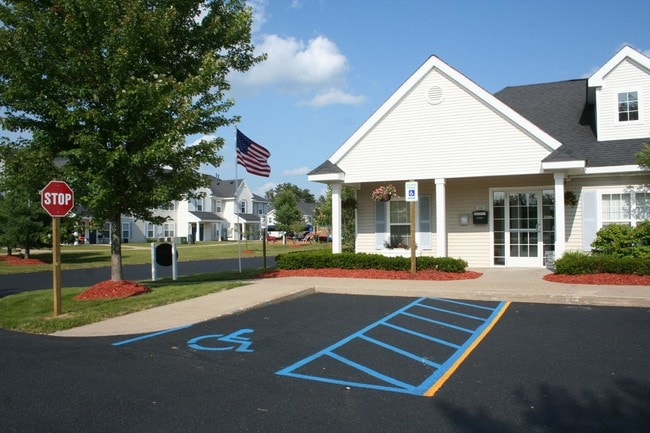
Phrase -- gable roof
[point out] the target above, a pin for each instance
(330, 171)
(481, 94)
(224, 188)
(627, 52)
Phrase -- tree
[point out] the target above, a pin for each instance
(323, 214)
(25, 171)
(643, 157)
(302, 195)
(116, 86)
(287, 214)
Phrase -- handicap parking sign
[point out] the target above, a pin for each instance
(411, 189)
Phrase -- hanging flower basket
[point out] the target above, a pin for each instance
(384, 193)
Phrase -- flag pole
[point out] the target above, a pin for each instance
(237, 205)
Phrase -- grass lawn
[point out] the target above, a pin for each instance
(33, 311)
(93, 256)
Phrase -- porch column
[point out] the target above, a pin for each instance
(336, 218)
(560, 224)
(441, 218)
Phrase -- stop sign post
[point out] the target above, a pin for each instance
(57, 198)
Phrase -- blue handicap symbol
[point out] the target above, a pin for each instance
(234, 338)
(411, 193)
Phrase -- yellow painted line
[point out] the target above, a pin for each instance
(436, 386)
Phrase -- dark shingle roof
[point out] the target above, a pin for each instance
(207, 216)
(326, 168)
(561, 110)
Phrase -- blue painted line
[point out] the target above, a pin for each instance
(460, 352)
(325, 351)
(438, 322)
(400, 351)
(455, 313)
(370, 371)
(451, 301)
(155, 334)
(419, 334)
(393, 384)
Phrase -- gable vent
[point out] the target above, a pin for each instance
(434, 95)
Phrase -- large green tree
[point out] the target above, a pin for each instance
(302, 195)
(116, 86)
(287, 215)
(24, 171)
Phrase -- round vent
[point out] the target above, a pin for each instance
(434, 95)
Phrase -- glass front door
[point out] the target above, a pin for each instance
(523, 227)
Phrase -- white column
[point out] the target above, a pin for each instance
(441, 219)
(336, 218)
(560, 223)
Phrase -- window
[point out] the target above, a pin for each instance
(169, 230)
(168, 206)
(151, 231)
(627, 208)
(126, 230)
(628, 106)
(242, 207)
(400, 224)
(199, 204)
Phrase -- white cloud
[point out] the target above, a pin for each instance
(208, 137)
(295, 65)
(268, 186)
(335, 96)
(296, 171)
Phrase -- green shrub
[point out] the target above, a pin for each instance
(623, 241)
(577, 263)
(325, 259)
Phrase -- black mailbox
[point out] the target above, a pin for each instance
(480, 217)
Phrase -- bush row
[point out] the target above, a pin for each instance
(576, 263)
(325, 259)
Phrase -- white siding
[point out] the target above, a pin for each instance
(626, 77)
(459, 137)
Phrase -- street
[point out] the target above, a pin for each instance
(325, 363)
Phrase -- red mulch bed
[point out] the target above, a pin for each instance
(373, 274)
(19, 260)
(604, 279)
(112, 290)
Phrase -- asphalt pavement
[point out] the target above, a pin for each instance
(16, 283)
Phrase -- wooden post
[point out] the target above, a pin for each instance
(56, 264)
(412, 237)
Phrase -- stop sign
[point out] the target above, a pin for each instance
(57, 198)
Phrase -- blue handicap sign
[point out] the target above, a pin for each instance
(235, 340)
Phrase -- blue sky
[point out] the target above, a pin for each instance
(332, 63)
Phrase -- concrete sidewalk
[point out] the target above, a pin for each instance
(517, 285)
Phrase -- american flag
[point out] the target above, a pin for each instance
(252, 156)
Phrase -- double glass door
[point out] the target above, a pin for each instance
(523, 227)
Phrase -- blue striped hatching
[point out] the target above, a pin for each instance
(372, 378)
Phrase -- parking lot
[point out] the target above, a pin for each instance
(343, 363)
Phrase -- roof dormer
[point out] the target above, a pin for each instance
(620, 92)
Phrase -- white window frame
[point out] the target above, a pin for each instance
(169, 230)
(638, 101)
(406, 224)
(126, 229)
(242, 206)
(632, 218)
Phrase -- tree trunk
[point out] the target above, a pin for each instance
(26, 251)
(116, 248)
